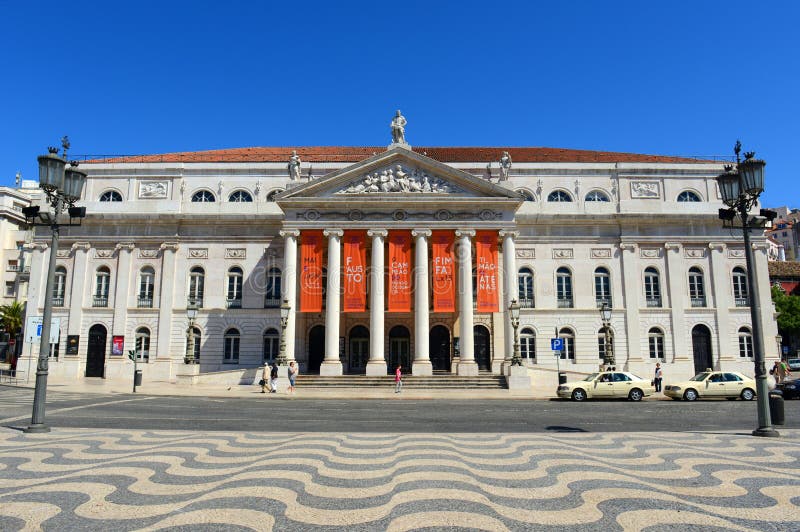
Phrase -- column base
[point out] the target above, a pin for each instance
(37, 428)
(504, 365)
(188, 374)
(422, 367)
(497, 367)
(468, 369)
(518, 378)
(330, 369)
(765, 433)
(454, 364)
(377, 368)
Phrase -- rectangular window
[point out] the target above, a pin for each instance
(745, 346)
(13, 266)
(656, 346)
(602, 290)
(564, 291)
(232, 349)
(10, 289)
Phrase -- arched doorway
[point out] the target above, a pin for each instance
(439, 345)
(399, 349)
(96, 351)
(316, 348)
(701, 347)
(359, 350)
(482, 340)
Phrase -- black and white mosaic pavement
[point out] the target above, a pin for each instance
(92, 479)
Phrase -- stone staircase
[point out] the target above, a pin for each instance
(445, 380)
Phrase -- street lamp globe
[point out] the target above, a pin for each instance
(285, 308)
(51, 171)
(605, 313)
(752, 172)
(74, 180)
(191, 312)
(729, 186)
(513, 308)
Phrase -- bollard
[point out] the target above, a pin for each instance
(776, 407)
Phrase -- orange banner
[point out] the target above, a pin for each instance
(311, 246)
(443, 266)
(399, 271)
(355, 272)
(486, 271)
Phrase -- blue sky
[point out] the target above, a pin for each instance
(676, 78)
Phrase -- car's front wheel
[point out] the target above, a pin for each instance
(690, 395)
(578, 395)
(748, 394)
(635, 395)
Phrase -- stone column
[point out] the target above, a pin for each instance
(422, 353)
(78, 291)
(630, 269)
(675, 283)
(466, 365)
(721, 280)
(122, 287)
(769, 326)
(165, 303)
(289, 287)
(40, 259)
(377, 358)
(332, 365)
(509, 293)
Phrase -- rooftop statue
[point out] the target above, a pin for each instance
(505, 166)
(294, 166)
(399, 129)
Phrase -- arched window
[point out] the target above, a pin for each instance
(655, 341)
(688, 195)
(240, 196)
(110, 195)
(272, 296)
(564, 287)
(596, 195)
(203, 196)
(147, 278)
(142, 344)
(740, 295)
(231, 351)
(271, 345)
(102, 283)
(526, 194)
(697, 291)
(569, 343)
(525, 294)
(745, 343)
(602, 287)
(234, 296)
(652, 287)
(273, 193)
(59, 286)
(197, 277)
(527, 343)
(559, 196)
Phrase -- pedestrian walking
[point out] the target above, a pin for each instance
(659, 374)
(264, 380)
(780, 371)
(293, 371)
(273, 378)
(398, 379)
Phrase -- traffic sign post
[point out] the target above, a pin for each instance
(33, 333)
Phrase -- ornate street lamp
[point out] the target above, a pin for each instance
(740, 187)
(513, 312)
(62, 186)
(191, 314)
(608, 351)
(285, 309)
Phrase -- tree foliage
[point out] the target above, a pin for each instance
(12, 316)
(789, 308)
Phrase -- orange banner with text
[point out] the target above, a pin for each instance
(400, 271)
(486, 271)
(355, 272)
(311, 246)
(443, 264)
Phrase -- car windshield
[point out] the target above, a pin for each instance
(700, 377)
(591, 377)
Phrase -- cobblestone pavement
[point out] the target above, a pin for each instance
(92, 479)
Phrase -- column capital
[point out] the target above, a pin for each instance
(383, 233)
(673, 245)
(285, 233)
(507, 233)
(426, 233)
(333, 232)
(81, 246)
(127, 246)
(628, 246)
(33, 246)
(759, 246)
(469, 233)
(169, 246)
(717, 246)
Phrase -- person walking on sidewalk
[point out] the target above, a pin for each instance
(398, 379)
(658, 376)
(264, 380)
(293, 371)
(273, 378)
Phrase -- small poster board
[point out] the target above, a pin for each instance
(72, 344)
(117, 346)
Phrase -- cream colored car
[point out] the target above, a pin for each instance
(728, 384)
(607, 385)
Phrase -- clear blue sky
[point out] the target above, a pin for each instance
(677, 78)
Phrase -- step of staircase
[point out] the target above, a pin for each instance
(486, 380)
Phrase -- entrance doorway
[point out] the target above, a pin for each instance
(96, 351)
(359, 350)
(701, 347)
(316, 348)
(399, 349)
(439, 345)
(482, 347)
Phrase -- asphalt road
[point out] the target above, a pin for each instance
(283, 414)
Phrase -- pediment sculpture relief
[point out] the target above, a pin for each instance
(399, 179)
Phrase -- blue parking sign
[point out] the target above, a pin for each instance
(557, 344)
(39, 330)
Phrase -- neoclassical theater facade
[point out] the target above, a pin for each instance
(399, 255)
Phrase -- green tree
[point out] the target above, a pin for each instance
(789, 318)
(11, 316)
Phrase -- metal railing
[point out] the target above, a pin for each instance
(144, 302)
(603, 301)
(58, 301)
(653, 302)
(234, 303)
(527, 303)
(196, 302)
(272, 302)
(564, 303)
(741, 302)
(698, 302)
(100, 301)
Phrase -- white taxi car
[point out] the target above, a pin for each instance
(607, 384)
(728, 384)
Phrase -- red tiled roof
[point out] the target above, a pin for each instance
(351, 154)
(782, 269)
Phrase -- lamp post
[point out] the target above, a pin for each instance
(62, 186)
(191, 313)
(513, 312)
(741, 187)
(608, 351)
(285, 309)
